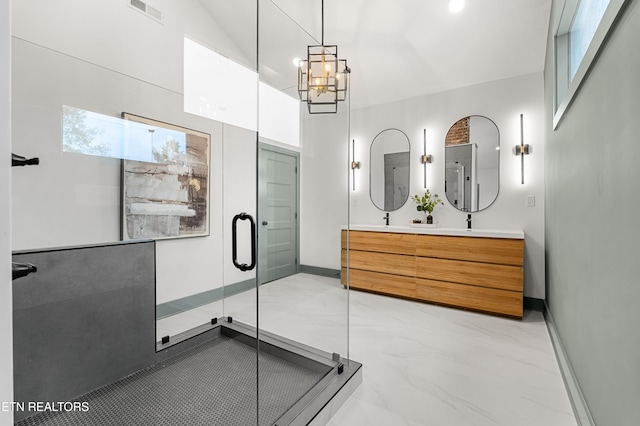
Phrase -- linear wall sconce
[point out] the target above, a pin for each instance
(522, 149)
(425, 159)
(354, 164)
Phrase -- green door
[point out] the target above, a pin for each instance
(277, 213)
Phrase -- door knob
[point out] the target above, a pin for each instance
(265, 223)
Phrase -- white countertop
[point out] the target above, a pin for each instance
(487, 233)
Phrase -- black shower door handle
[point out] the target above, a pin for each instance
(19, 270)
(234, 242)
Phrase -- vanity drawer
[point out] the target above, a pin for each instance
(504, 277)
(478, 273)
(472, 297)
(381, 242)
(488, 250)
(381, 283)
(395, 264)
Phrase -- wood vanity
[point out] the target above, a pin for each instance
(475, 270)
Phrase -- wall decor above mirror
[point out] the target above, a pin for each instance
(389, 173)
(472, 158)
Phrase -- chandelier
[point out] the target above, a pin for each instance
(322, 77)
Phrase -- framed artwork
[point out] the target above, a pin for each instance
(165, 194)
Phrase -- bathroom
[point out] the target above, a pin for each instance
(329, 143)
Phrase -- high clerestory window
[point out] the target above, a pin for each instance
(218, 88)
(584, 25)
(581, 30)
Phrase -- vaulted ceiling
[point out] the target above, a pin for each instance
(396, 49)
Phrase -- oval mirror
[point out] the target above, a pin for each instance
(472, 159)
(389, 173)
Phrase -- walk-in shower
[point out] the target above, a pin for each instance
(171, 218)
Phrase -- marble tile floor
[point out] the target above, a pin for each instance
(423, 364)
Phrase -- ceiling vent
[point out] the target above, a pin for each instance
(147, 10)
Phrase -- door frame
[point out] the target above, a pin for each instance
(263, 146)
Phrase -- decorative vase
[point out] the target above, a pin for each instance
(427, 218)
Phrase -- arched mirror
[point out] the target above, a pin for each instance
(389, 174)
(472, 158)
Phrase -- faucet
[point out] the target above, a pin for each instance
(386, 218)
(469, 221)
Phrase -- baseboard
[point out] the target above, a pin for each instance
(533, 304)
(579, 404)
(184, 304)
(323, 272)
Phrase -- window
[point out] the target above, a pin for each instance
(218, 88)
(581, 30)
(584, 25)
(90, 133)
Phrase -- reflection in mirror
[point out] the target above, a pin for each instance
(472, 154)
(389, 174)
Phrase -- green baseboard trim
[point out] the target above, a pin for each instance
(323, 272)
(240, 287)
(184, 304)
(579, 404)
(533, 304)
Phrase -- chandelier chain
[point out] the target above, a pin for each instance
(322, 14)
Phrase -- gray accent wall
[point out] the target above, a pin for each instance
(592, 217)
(85, 319)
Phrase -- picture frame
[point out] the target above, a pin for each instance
(166, 195)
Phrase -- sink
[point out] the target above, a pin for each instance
(476, 232)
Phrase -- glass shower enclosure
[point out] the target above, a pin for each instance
(179, 123)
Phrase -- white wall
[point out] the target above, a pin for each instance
(239, 196)
(6, 304)
(76, 58)
(111, 34)
(502, 101)
(324, 175)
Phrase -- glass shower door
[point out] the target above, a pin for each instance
(134, 144)
(221, 84)
(302, 198)
(163, 130)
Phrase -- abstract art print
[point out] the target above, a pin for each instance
(166, 193)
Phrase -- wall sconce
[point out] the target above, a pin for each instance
(425, 159)
(354, 164)
(522, 149)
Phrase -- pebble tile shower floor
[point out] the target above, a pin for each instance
(211, 384)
